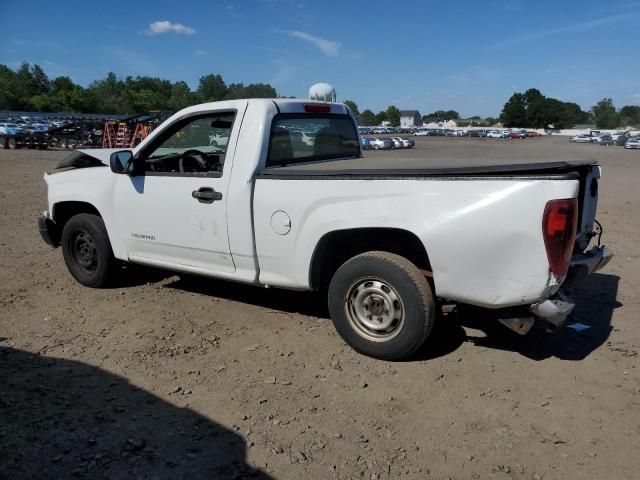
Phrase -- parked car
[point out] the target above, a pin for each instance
(606, 140)
(386, 243)
(533, 134)
(497, 134)
(477, 133)
(11, 128)
(632, 143)
(403, 142)
(365, 143)
(378, 143)
(582, 138)
(621, 140)
(518, 134)
(396, 142)
(421, 132)
(617, 135)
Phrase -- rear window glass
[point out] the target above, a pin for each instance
(298, 138)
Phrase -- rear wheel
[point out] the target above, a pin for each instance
(381, 305)
(12, 144)
(3, 143)
(87, 250)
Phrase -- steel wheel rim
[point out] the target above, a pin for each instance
(374, 309)
(83, 250)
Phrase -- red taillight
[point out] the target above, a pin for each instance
(317, 108)
(559, 224)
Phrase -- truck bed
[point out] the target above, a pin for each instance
(389, 166)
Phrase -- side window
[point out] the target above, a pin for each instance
(299, 138)
(196, 145)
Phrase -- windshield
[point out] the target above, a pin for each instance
(298, 138)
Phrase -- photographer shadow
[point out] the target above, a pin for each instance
(66, 419)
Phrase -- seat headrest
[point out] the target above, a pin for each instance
(281, 146)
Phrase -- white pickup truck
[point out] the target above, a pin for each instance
(276, 193)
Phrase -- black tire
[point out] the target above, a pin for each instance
(87, 250)
(3, 143)
(12, 144)
(359, 287)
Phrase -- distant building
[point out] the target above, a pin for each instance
(451, 124)
(410, 118)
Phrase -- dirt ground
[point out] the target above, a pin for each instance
(174, 377)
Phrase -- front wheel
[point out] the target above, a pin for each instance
(87, 250)
(381, 305)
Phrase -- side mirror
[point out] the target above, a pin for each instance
(121, 162)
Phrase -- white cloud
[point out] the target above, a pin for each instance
(165, 26)
(328, 47)
(573, 28)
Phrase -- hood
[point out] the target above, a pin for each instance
(85, 158)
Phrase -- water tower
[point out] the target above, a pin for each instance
(323, 92)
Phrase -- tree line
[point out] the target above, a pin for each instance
(532, 109)
(28, 88)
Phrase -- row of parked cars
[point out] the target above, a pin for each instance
(476, 132)
(384, 130)
(621, 139)
(385, 143)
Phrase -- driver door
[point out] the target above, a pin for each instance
(174, 213)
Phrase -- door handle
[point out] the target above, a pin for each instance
(206, 195)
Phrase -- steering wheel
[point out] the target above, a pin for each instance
(189, 158)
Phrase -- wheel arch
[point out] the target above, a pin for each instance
(62, 211)
(336, 247)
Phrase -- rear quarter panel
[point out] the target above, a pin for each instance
(483, 236)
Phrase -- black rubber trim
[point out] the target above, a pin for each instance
(562, 170)
(183, 174)
(49, 231)
(401, 175)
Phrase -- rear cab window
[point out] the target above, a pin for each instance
(303, 137)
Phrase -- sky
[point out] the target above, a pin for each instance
(424, 55)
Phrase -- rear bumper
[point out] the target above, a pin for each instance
(557, 308)
(48, 230)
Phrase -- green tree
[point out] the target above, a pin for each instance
(181, 96)
(451, 115)
(29, 88)
(380, 117)
(393, 116)
(629, 115)
(604, 114)
(8, 90)
(514, 112)
(368, 118)
(211, 88)
(353, 106)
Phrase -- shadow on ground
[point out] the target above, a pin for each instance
(445, 338)
(65, 419)
(595, 302)
(313, 304)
